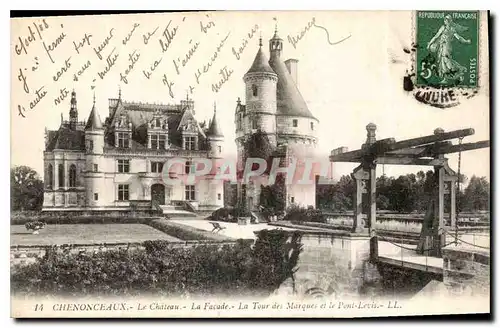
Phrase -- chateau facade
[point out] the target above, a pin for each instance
(275, 108)
(117, 164)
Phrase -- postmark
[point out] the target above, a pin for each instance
(446, 63)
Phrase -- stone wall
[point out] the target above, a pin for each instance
(334, 263)
(466, 271)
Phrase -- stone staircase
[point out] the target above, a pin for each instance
(172, 211)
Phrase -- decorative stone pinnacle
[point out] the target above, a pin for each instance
(370, 135)
(438, 131)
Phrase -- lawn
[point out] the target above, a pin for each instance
(58, 234)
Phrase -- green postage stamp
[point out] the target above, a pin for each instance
(447, 52)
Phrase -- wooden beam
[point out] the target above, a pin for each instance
(463, 147)
(383, 146)
(433, 138)
(379, 147)
(420, 151)
(410, 161)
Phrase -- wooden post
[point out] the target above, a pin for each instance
(372, 198)
(359, 175)
(374, 249)
(453, 199)
(358, 207)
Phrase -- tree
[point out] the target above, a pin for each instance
(476, 195)
(258, 145)
(272, 198)
(26, 189)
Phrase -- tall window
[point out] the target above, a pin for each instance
(190, 192)
(123, 165)
(123, 140)
(96, 168)
(254, 123)
(189, 167)
(123, 192)
(295, 123)
(189, 143)
(312, 125)
(50, 176)
(158, 141)
(254, 90)
(156, 167)
(72, 176)
(60, 169)
(162, 142)
(90, 146)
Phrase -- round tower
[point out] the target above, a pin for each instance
(94, 148)
(260, 93)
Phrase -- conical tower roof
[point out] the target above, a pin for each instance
(289, 99)
(214, 129)
(260, 63)
(94, 121)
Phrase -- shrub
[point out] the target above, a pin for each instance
(229, 214)
(160, 269)
(296, 213)
(83, 217)
(185, 232)
(34, 225)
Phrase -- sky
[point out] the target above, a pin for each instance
(346, 85)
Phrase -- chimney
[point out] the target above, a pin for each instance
(291, 66)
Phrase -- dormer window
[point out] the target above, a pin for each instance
(254, 90)
(189, 143)
(158, 123)
(158, 141)
(123, 140)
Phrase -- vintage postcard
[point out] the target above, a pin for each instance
(250, 164)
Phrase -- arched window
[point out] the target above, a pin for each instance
(72, 175)
(254, 90)
(60, 173)
(50, 176)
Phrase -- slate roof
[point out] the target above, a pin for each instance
(139, 114)
(94, 122)
(66, 138)
(260, 63)
(288, 97)
(214, 129)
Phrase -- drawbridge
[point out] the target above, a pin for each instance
(438, 230)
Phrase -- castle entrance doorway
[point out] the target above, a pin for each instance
(158, 193)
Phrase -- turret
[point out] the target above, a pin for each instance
(260, 88)
(73, 112)
(275, 45)
(94, 147)
(215, 137)
(94, 132)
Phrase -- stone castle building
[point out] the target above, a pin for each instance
(275, 108)
(117, 164)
